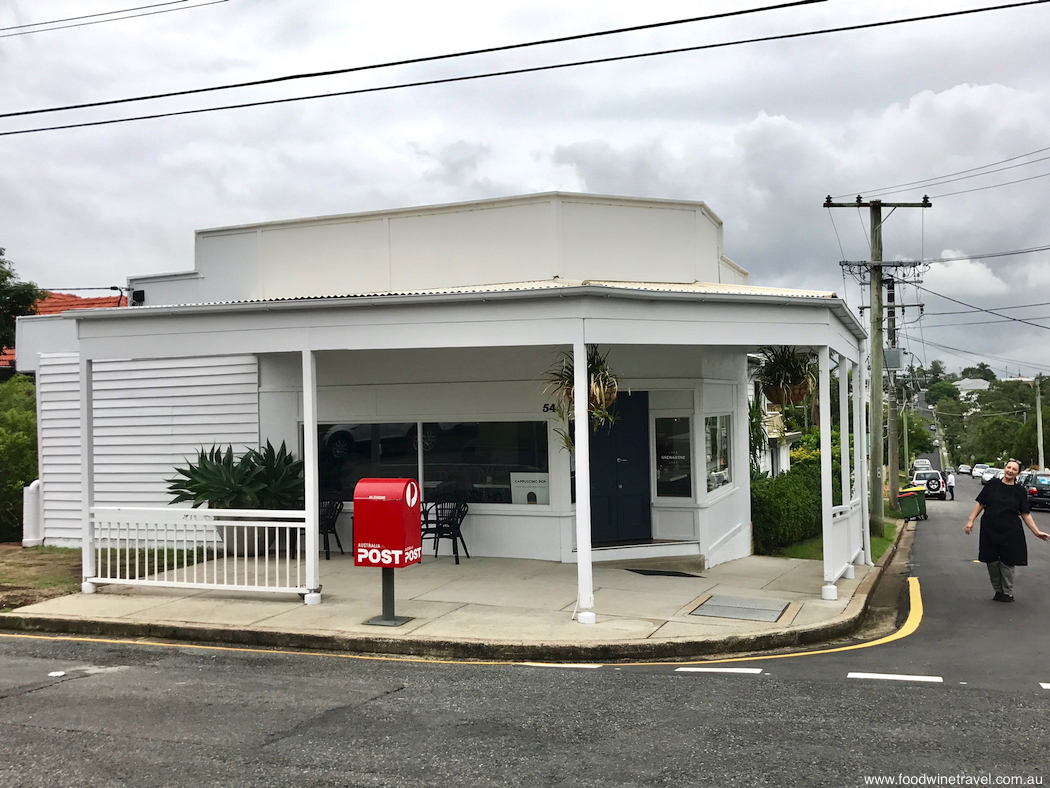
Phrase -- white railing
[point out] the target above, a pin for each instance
(231, 549)
(845, 544)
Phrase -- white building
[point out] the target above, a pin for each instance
(348, 337)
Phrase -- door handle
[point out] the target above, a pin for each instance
(621, 459)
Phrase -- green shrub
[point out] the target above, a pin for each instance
(785, 509)
(18, 461)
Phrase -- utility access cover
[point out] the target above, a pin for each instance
(739, 607)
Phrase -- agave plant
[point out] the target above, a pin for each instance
(266, 479)
(787, 374)
(603, 388)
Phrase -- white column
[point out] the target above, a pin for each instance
(844, 441)
(313, 585)
(581, 439)
(87, 474)
(828, 591)
(860, 450)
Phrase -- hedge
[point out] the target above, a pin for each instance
(785, 509)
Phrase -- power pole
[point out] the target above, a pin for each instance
(893, 460)
(1039, 418)
(874, 268)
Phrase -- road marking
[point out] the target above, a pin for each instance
(559, 665)
(912, 624)
(1044, 685)
(894, 677)
(718, 670)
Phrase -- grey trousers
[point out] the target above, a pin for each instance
(1002, 576)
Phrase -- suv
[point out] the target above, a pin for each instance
(978, 469)
(933, 482)
(1038, 484)
(921, 464)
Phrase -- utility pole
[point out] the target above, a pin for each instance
(1039, 418)
(874, 268)
(893, 460)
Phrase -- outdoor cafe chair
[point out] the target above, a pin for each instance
(330, 509)
(442, 519)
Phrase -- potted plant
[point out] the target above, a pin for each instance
(258, 479)
(604, 385)
(786, 374)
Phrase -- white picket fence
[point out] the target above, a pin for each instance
(228, 549)
(844, 546)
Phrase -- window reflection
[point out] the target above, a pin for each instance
(674, 477)
(487, 462)
(351, 452)
(718, 467)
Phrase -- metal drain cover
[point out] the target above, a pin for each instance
(742, 608)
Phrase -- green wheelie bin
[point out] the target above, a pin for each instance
(912, 501)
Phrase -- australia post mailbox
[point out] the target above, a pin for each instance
(386, 523)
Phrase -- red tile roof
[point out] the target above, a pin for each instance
(55, 303)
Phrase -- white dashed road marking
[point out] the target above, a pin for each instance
(894, 677)
(718, 670)
(1044, 685)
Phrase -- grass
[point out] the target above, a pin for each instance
(813, 549)
(33, 574)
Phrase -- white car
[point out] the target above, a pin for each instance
(991, 473)
(978, 469)
(933, 482)
(965, 469)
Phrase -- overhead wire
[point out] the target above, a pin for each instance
(532, 69)
(89, 16)
(417, 60)
(979, 309)
(992, 186)
(947, 175)
(113, 19)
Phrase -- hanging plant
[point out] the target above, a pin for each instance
(786, 374)
(603, 388)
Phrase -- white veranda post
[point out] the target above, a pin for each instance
(87, 474)
(843, 371)
(860, 451)
(828, 591)
(581, 440)
(313, 595)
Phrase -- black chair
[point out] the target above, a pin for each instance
(442, 519)
(330, 509)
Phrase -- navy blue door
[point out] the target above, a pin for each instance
(620, 474)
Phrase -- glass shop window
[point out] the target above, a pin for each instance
(351, 452)
(487, 462)
(674, 474)
(718, 465)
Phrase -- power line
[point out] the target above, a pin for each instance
(89, 16)
(984, 356)
(943, 181)
(993, 186)
(940, 177)
(987, 255)
(980, 309)
(415, 60)
(1000, 308)
(983, 322)
(114, 19)
(533, 69)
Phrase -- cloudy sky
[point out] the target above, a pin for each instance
(761, 132)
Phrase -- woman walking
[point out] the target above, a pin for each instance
(1003, 546)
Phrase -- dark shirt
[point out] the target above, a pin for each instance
(1002, 533)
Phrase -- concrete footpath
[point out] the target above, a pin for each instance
(493, 608)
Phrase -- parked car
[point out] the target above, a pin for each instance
(948, 470)
(1038, 484)
(991, 473)
(978, 469)
(933, 482)
(964, 469)
(921, 464)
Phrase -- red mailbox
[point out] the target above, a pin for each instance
(386, 523)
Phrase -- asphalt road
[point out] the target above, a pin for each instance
(137, 714)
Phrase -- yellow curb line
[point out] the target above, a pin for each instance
(910, 625)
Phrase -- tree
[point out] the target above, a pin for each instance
(936, 372)
(940, 391)
(16, 299)
(980, 372)
(18, 466)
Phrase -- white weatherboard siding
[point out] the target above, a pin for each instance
(149, 417)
